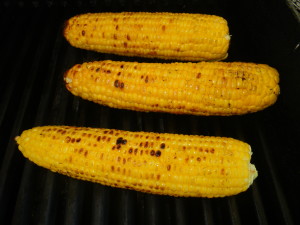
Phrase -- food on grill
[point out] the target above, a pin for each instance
(165, 164)
(177, 36)
(205, 88)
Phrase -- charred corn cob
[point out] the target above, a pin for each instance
(166, 164)
(205, 88)
(183, 36)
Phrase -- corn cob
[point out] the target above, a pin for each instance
(165, 164)
(177, 36)
(205, 88)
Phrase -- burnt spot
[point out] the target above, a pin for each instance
(198, 75)
(103, 138)
(125, 44)
(198, 159)
(85, 153)
(146, 144)
(223, 171)
(153, 53)
(122, 66)
(70, 159)
(152, 152)
(78, 140)
(130, 150)
(108, 71)
(89, 135)
(63, 132)
(229, 105)
(117, 27)
(128, 37)
(118, 84)
(141, 152)
(80, 150)
(108, 139)
(141, 144)
(135, 151)
(99, 138)
(163, 27)
(158, 137)
(119, 159)
(124, 161)
(146, 79)
(168, 167)
(122, 85)
(119, 73)
(158, 153)
(116, 19)
(162, 145)
(212, 151)
(83, 33)
(53, 137)
(121, 141)
(118, 147)
(83, 134)
(115, 37)
(158, 177)
(67, 139)
(112, 168)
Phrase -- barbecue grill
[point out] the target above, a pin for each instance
(34, 56)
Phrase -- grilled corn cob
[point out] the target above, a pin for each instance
(166, 164)
(183, 36)
(205, 88)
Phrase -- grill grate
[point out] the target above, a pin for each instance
(33, 58)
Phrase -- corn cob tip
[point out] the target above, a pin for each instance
(253, 174)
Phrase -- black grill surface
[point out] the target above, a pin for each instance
(33, 58)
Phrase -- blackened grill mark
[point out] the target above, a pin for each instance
(158, 153)
(68, 139)
(122, 141)
(116, 83)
